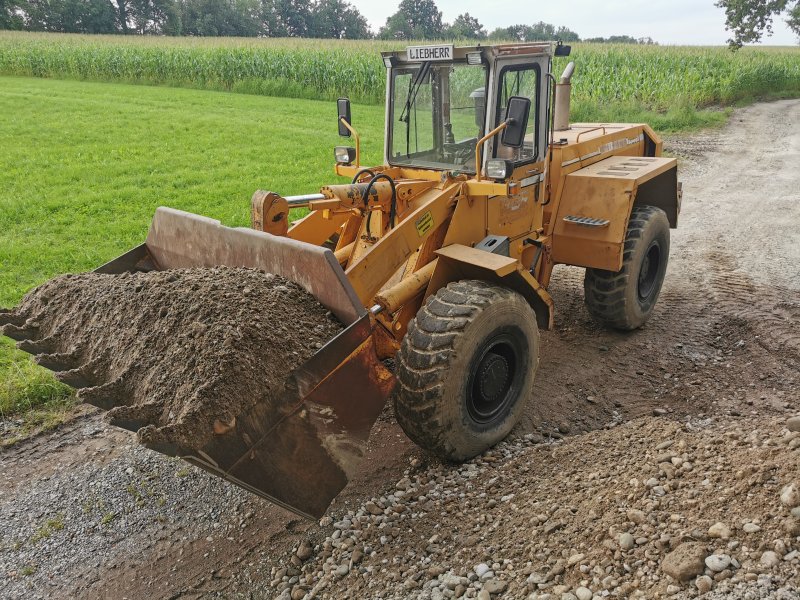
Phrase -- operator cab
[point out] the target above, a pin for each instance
(441, 100)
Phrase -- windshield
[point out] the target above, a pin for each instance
(437, 115)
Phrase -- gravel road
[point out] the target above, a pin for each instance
(654, 464)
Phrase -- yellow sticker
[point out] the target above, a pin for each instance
(424, 223)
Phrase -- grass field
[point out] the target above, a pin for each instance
(84, 165)
(665, 84)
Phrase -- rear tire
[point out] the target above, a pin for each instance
(625, 299)
(465, 368)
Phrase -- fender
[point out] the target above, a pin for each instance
(596, 203)
(457, 262)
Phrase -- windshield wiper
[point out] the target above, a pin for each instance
(411, 98)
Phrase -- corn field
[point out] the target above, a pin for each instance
(652, 77)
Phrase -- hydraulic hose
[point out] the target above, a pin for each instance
(392, 205)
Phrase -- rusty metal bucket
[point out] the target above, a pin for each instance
(298, 453)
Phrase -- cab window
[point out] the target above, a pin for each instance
(519, 80)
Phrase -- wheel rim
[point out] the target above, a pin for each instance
(648, 272)
(495, 377)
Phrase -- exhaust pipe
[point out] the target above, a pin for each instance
(563, 88)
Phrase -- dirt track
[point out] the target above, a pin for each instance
(724, 343)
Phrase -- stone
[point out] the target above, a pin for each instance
(720, 531)
(484, 595)
(750, 528)
(769, 558)
(583, 593)
(792, 526)
(704, 584)
(685, 562)
(793, 424)
(790, 495)
(342, 570)
(575, 559)
(373, 508)
(298, 593)
(626, 541)
(718, 562)
(636, 516)
(305, 550)
(495, 586)
(673, 589)
(357, 556)
(481, 569)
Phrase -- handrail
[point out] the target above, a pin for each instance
(578, 139)
(358, 140)
(480, 143)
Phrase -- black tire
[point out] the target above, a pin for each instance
(465, 368)
(625, 299)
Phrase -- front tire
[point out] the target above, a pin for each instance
(625, 299)
(465, 368)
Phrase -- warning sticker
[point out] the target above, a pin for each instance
(424, 223)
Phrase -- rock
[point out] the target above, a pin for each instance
(305, 550)
(796, 512)
(357, 556)
(373, 508)
(769, 558)
(718, 562)
(720, 531)
(750, 528)
(484, 595)
(298, 593)
(626, 541)
(660, 412)
(342, 570)
(790, 495)
(685, 562)
(495, 586)
(793, 424)
(575, 559)
(792, 526)
(481, 569)
(673, 589)
(704, 584)
(636, 516)
(583, 593)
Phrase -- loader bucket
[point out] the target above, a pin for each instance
(299, 452)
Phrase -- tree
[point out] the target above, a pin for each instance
(10, 15)
(339, 20)
(465, 27)
(220, 17)
(540, 32)
(748, 20)
(414, 19)
(160, 17)
(69, 16)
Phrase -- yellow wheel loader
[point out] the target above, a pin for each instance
(439, 258)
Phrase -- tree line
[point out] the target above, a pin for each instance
(338, 19)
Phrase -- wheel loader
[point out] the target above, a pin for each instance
(439, 258)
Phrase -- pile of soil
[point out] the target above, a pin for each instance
(174, 354)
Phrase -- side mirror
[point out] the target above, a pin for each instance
(343, 104)
(517, 111)
(562, 50)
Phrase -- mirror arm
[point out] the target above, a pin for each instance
(479, 145)
(358, 140)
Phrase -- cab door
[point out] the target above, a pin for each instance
(517, 215)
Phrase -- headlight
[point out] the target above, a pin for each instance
(344, 154)
(497, 168)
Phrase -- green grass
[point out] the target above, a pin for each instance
(83, 167)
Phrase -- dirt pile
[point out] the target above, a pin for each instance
(653, 508)
(173, 354)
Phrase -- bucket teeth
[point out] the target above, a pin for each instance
(134, 418)
(46, 345)
(9, 317)
(105, 396)
(21, 332)
(60, 361)
(82, 377)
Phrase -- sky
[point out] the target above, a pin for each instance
(667, 22)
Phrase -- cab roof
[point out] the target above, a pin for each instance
(438, 52)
